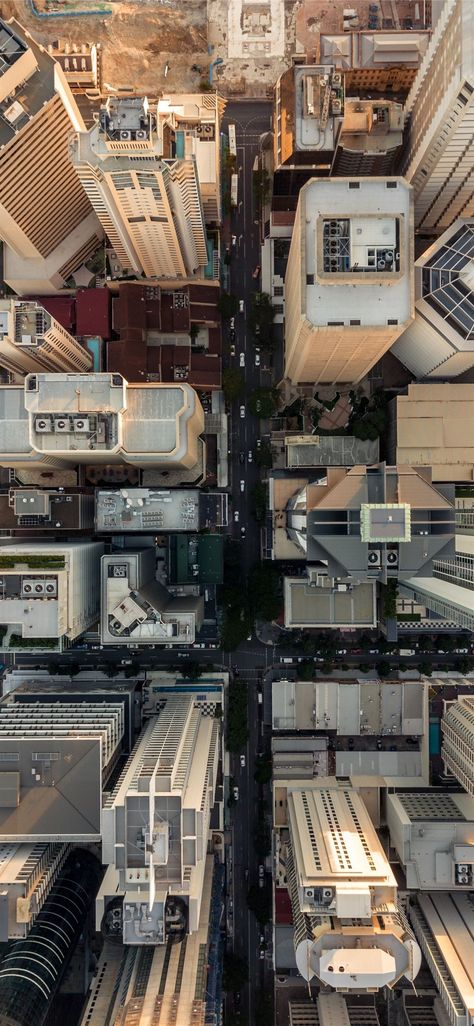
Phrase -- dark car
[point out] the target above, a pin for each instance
(241, 457)
(350, 743)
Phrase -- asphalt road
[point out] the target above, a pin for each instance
(251, 120)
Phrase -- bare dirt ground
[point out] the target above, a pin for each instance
(137, 40)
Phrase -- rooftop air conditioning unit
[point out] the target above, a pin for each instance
(392, 558)
(462, 868)
(33, 588)
(62, 424)
(309, 893)
(328, 893)
(373, 557)
(43, 424)
(140, 134)
(81, 424)
(336, 79)
(126, 136)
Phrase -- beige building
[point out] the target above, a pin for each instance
(434, 427)
(46, 221)
(440, 104)
(155, 823)
(31, 339)
(142, 168)
(348, 931)
(61, 420)
(381, 61)
(49, 590)
(349, 279)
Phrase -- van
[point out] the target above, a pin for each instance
(241, 306)
(286, 659)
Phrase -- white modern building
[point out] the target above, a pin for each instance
(348, 930)
(440, 157)
(61, 420)
(144, 190)
(31, 339)
(457, 727)
(439, 343)
(139, 609)
(349, 280)
(433, 835)
(49, 592)
(156, 821)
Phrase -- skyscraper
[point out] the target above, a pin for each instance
(46, 220)
(149, 205)
(31, 339)
(440, 157)
(349, 279)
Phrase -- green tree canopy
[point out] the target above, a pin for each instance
(227, 305)
(262, 402)
(233, 383)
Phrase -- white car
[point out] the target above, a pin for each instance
(242, 761)
(241, 306)
(232, 323)
(242, 411)
(242, 360)
(257, 359)
(235, 792)
(250, 456)
(236, 516)
(242, 486)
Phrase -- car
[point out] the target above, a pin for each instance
(232, 350)
(234, 240)
(259, 444)
(258, 406)
(412, 740)
(356, 651)
(379, 744)
(241, 306)
(461, 651)
(125, 662)
(262, 953)
(350, 743)
(257, 359)
(341, 651)
(236, 516)
(242, 530)
(242, 761)
(241, 456)
(242, 359)
(232, 335)
(235, 793)
(250, 456)
(242, 486)
(242, 411)
(256, 330)
(261, 872)
(373, 651)
(232, 323)
(256, 272)
(183, 655)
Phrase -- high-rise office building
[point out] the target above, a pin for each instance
(356, 528)
(349, 279)
(46, 220)
(49, 591)
(149, 204)
(440, 155)
(156, 821)
(61, 420)
(348, 930)
(31, 339)
(439, 343)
